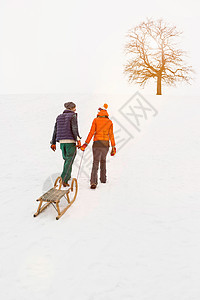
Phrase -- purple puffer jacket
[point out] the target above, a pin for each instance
(64, 130)
(63, 126)
(66, 127)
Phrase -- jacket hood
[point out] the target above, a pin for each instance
(103, 113)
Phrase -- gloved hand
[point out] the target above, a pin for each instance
(78, 144)
(113, 151)
(83, 147)
(53, 147)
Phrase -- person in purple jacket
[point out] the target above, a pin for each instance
(67, 134)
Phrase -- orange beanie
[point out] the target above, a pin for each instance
(105, 106)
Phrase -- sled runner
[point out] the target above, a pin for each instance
(54, 195)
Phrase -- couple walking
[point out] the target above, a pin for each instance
(67, 134)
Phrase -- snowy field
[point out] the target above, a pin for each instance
(135, 238)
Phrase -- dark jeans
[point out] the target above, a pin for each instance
(68, 153)
(99, 156)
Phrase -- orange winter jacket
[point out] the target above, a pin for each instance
(102, 129)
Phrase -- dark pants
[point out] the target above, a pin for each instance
(99, 156)
(68, 153)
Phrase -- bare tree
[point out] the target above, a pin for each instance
(154, 54)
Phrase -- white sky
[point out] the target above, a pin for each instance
(77, 46)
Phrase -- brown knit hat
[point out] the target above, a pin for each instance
(69, 105)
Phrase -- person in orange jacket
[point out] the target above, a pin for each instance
(102, 130)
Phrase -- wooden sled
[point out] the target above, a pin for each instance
(53, 196)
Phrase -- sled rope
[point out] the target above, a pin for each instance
(80, 165)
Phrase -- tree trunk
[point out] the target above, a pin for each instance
(159, 85)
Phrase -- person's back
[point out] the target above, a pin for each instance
(64, 130)
(66, 133)
(102, 130)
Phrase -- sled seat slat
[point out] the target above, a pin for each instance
(53, 195)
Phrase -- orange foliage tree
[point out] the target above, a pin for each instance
(152, 46)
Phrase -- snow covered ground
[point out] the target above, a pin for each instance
(135, 238)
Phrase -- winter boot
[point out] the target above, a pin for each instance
(93, 185)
